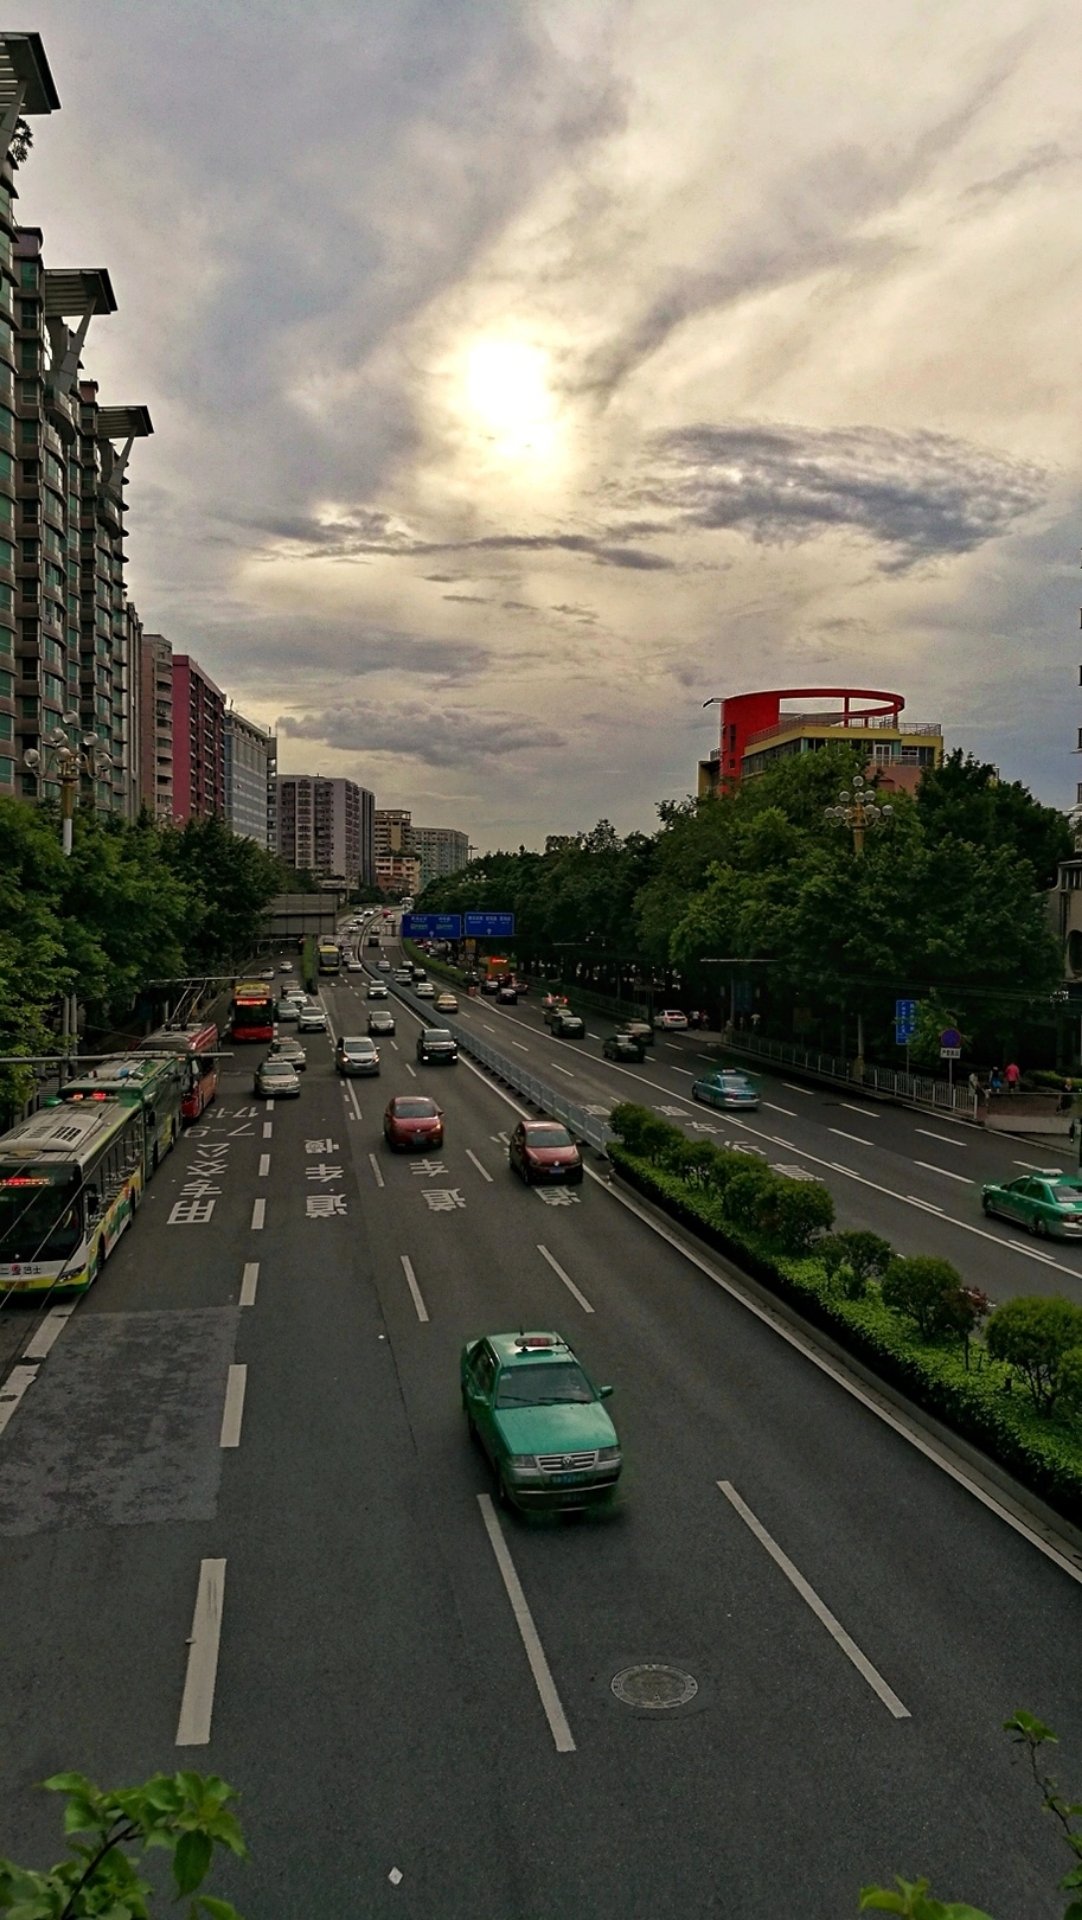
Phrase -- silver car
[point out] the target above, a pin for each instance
(356, 1054)
(277, 1080)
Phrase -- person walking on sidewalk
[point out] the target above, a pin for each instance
(1013, 1076)
(995, 1081)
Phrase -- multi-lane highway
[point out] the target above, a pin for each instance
(244, 1530)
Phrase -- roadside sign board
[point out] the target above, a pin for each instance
(490, 926)
(905, 1021)
(950, 1044)
(431, 926)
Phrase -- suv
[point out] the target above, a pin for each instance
(437, 1044)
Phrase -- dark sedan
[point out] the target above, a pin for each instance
(624, 1046)
(437, 1044)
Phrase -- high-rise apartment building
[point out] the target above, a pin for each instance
(397, 868)
(198, 742)
(106, 693)
(251, 762)
(324, 826)
(156, 726)
(440, 850)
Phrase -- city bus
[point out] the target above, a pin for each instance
(138, 1080)
(252, 1012)
(197, 1047)
(329, 957)
(71, 1179)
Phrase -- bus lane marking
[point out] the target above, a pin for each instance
(565, 1277)
(12, 1391)
(49, 1331)
(531, 1639)
(411, 1282)
(233, 1410)
(197, 1701)
(249, 1283)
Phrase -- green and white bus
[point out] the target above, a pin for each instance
(71, 1179)
(137, 1079)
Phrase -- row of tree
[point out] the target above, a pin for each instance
(757, 902)
(132, 905)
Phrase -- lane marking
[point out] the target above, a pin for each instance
(268, 1129)
(559, 1069)
(531, 1641)
(773, 1105)
(259, 1213)
(348, 1085)
(410, 1071)
(808, 1092)
(233, 1411)
(49, 1331)
(945, 1171)
(487, 1027)
(947, 1139)
(483, 1171)
(819, 1607)
(519, 1045)
(12, 1391)
(864, 1112)
(249, 1283)
(592, 1036)
(411, 1282)
(842, 1135)
(269, 1108)
(264, 1165)
(1032, 1167)
(929, 1206)
(565, 1277)
(689, 1071)
(197, 1701)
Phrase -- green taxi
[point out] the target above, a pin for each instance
(538, 1416)
(1047, 1202)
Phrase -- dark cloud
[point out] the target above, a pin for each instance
(364, 531)
(1037, 160)
(920, 495)
(436, 733)
(468, 599)
(286, 647)
(586, 616)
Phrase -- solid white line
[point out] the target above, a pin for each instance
(264, 1166)
(776, 1109)
(12, 1391)
(945, 1171)
(808, 1092)
(268, 1129)
(842, 1135)
(947, 1139)
(930, 1207)
(559, 1069)
(233, 1410)
(565, 1277)
(352, 1098)
(249, 1283)
(483, 1171)
(377, 1170)
(411, 1282)
(535, 1653)
(864, 1113)
(50, 1329)
(259, 1210)
(821, 1611)
(519, 1045)
(197, 1702)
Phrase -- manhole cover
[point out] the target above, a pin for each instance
(654, 1685)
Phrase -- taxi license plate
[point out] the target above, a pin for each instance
(566, 1479)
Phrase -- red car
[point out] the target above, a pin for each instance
(412, 1120)
(544, 1150)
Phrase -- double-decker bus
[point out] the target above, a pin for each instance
(252, 1012)
(71, 1179)
(196, 1046)
(156, 1085)
(329, 957)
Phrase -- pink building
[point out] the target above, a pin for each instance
(198, 742)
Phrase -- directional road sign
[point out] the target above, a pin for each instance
(431, 926)
(490, 926)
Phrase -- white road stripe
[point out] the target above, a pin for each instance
(842, 1135)
(264, 1165)
(352, 1099)
(50, 1329)
(772, 1104)
(259, 1211)
(945, 1171)
(268, 1129)
(947, 1139)
(197, 1702)
(929, 1206)
(249, 1283)
(411, 1282)
(566, 1278)
(233, 1411)
(410, 1071)
(1032, 1167)
(12, 1391)
(519, 1045)
(487, 1028)
(863, 1111)
(592, 1036)
(269, 1108)
(483, 1171)
(689, 1071)
(535, 1653)
(806, 1091)
(821, 1611)
(559, 1069)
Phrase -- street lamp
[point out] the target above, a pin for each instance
(70, 763)
(861, 813)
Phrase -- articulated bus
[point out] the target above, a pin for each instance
(71, 1179)
(157, 1086)
(252, 1014)
(196, 1047)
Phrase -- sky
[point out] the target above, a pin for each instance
(524, 373)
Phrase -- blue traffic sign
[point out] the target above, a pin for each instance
(490, 926)
(431, 926)
(950, 1037)
(905, 1013)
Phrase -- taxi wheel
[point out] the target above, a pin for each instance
(986, 1206)
(501, 1494)
(1040, 1228)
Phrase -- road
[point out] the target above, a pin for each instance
(414, 1692)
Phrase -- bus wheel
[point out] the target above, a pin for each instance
(154, 1158)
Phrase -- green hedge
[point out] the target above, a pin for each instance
(978, 1400)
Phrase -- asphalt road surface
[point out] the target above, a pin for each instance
(248, 1436)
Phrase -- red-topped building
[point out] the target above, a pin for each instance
(198, 742)
(756, 732)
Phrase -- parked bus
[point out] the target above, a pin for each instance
(71, 1179)
(329, 957)
(197, 1046)
(252, 1012)
(138, 1080)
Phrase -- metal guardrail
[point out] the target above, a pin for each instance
(923, 1089)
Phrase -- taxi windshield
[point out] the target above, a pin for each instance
(544, 1384)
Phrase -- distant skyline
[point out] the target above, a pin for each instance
(524, 374)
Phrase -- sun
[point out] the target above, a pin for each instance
(509, 397)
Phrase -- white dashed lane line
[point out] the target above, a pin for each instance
(233, 1411)
(806, 1091)
(259, 1214)
(945, 1171)
(559, 1069)
(249, 1283)
(483, 1171)
(197, 1702)
(842, 1135)
(566, 1278)
(377, 1170)
(415, 1291)
(947, 1139)
(774, 1108)
(264, 1166)
(864, 1112)
(519, 1045)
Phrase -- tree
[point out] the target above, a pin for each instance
(1034, 1335)
(230, 883)
(965, 800)
(929, 1292)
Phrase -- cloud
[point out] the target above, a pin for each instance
(436, 734)
(469, 599)
(1038, 160)
(920, 495)
(365, 531)
(351, 650)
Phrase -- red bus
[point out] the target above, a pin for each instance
(252, 1012)
(199, 1044)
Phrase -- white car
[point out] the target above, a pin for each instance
(383, 964)
(377, 991)
(353, 965)
(311, 1020)
(671, 1020)
(425, 990)
(286, 966)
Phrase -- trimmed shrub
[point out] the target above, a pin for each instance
(1034, 1336)
(868, 1254)
(640, 1130)
(794, 1211)
(748, 1194)
(1070, 1382)
(929, 1292)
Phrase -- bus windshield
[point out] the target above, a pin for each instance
(37, 1222)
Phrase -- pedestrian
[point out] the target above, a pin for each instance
(975, 1085)
(1013, 1076)
(995, 1081)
